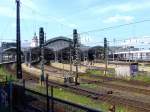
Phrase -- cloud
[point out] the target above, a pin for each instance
(30, 11)
(6, 11)
(118, 18)
(85, 3)
(124, 7)
(26, 3)
(30, 4)
(9, 9)
(71, 25)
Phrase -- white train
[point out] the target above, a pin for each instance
(143, 55)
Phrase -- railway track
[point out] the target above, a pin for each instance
(138, 106)
(108, 79)
(118, 87)
(104, 79)
(103, 96)
(52, 69)
(110, 85)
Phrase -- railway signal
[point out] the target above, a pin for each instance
(41, 37)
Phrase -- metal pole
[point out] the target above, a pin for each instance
(114, 50)
(64, 75)
(129, 54)
(47, 92)
(75, 39)
(52, 102)
(30, 58)
(10, 91)
(42, 64)
(19, 68)
(45, 38)
(105, 54)
(41, 42)
(24, 86)
(70, 59)
(26, 57)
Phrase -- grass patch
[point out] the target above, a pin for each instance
(144, 78)
(75, 98)
(80, 99)
(5, 75)
(95, 72)
(90, 86)
(110, 72)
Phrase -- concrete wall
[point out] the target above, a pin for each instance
(122, 71)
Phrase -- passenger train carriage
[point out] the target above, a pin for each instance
(143, 55)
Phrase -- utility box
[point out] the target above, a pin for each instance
(134, 69)
(69, 80)
(126, 70)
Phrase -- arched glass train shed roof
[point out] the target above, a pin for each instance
(58, 39)
(58, 43)
(51, 45)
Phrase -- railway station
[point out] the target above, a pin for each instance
(54, 63)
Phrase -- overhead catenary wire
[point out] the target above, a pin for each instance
(113, 27)
(95, 30)
(46, 16)
(90, 31)
(120, 41)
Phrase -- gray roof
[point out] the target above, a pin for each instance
(58, 38)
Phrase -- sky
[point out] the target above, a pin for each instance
(60, 17)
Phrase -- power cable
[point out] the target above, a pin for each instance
(48, 18)
(112, 27)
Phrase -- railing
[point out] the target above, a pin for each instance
(59, 105)
(32, 101)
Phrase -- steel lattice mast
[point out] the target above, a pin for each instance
(76, 53)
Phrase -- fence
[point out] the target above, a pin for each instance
(58, 105)
(23, 99)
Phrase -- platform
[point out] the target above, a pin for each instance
(53, 74)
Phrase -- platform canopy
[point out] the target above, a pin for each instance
(11, 50)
